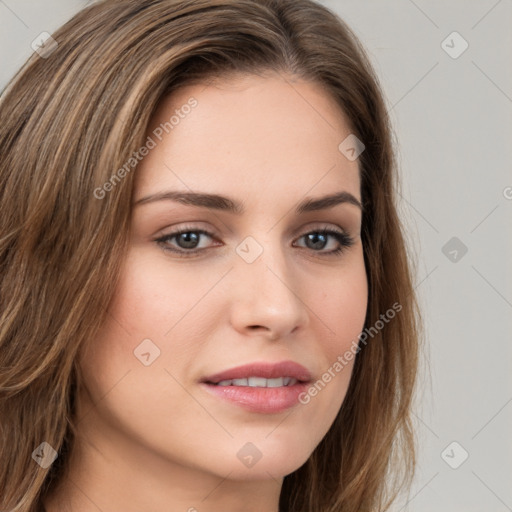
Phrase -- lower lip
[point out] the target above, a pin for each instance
(262, 400)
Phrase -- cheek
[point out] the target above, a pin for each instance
(135, 314)
(154, 301)
(144, 298)
(344, 307)
(342, 310)
(152, 295)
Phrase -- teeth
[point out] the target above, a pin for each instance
(259, 382)
(276, 383)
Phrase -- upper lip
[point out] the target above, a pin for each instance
(265, 370)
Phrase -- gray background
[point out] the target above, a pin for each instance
(452, 118)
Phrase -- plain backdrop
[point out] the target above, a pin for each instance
(446, 74)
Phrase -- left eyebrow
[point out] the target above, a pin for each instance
(325, 202)
(218, 202)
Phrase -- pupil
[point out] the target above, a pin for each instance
(190, 239)
(313, 237)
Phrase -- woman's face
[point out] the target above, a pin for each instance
(255, 284)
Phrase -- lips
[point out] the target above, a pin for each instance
(286, 370)
(263, 388)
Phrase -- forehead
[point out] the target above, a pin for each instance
(237, 135)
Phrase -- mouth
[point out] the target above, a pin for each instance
(261, 374)
(260, 387)
(257, 382)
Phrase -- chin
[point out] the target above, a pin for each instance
(272, 461)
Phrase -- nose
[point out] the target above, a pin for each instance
(266, 299)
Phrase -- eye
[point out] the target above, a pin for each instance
(318, 239)
(187, 241)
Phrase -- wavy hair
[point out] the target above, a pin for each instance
(70, 118)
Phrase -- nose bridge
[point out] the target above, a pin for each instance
(264, 261)
(267, 293)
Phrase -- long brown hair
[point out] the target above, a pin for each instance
(73, 116)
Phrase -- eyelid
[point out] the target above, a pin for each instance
(315, 226)
(301, 231)
(342, 236)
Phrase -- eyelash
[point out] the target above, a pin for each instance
(343, 239)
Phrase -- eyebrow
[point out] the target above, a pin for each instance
(218, 202)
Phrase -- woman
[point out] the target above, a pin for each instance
(206, 298)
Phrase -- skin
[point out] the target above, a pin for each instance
(150, 437)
